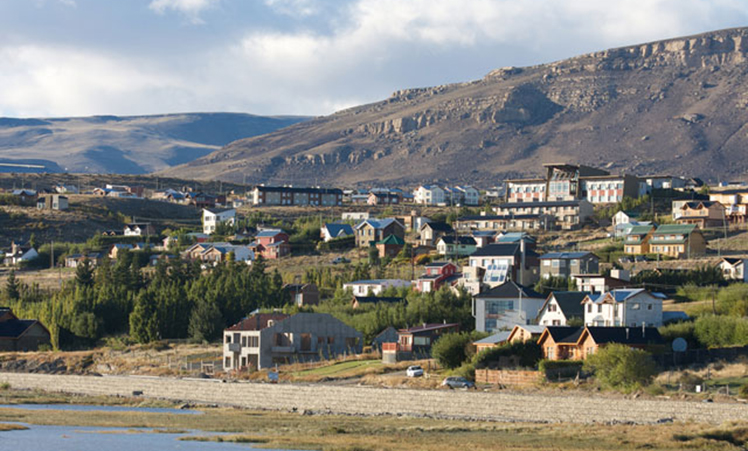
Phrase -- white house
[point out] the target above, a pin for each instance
(331, 231)
(428, 195)
(561, 307)
(624, 217)
(139, 229)
(375, 286)
(733, 269)
(19, 253)
(468, 195)
(211, 219)
(623, 307)
(503, 307)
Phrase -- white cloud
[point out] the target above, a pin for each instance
(69, 3)
(190, 8)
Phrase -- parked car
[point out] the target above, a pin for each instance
(338, 260)
(457, 382)
(414, 371)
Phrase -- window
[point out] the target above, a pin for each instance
(421, 341)
(589, 308)
(600, 308)
(556, 322)
(244, 341)
(228, 338)
(650, 306)
(552, 307)
(227, 363)
(254, 342)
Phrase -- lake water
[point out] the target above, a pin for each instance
(87, 438)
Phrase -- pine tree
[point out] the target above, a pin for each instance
(205, 321)
(144, 319)
(12, 287)
(84, 274)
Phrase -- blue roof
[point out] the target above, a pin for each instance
(494, 339)
(269, 232)
(336, 230)
(372, 281)
(377, 223)
(619, 295)
(564, 255)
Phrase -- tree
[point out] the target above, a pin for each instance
(451, 349)
(144, 319)
(373, 256)
(205, 321)
(620, 367)
(84, 274)
(12, 287)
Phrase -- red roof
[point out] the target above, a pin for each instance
(258, 321)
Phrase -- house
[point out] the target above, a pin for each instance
(562, 308)
(471, 280)
(565, 264)
(525, 190)
(623, 307)
(733, 269)
(497, 223)
(598, 283)
(288, 195)
(483, 238)
(139, 229)
(266, 339)
(522, 333)
(332, 231)
(218, 253)
(611, 189)
(430, 232)
(416, 342)
(578, 343)
(436, 275)
(370, 231)
(388, 335)
(134, 190)
(94, 258)
(202, 200)
(663, 181)
(429, 195)
(359, 301)
(569, 214)
(374, 286)
(194, 252)
(735, 202)
(504, 306)
(516, 237)
(390, 246)
(52, 202)
(117, 248)
(492, 341)
(465, 195)
(704, 214)
(678, 241)
(455, 247)
(636, 242)
(66, 189)
(271, 244)
(506, 261)
(301, 294)
(19, 253)
(383, 198)
(25, 196)
(624, 217)
(21, 335)
(212, 218)
(355, 216)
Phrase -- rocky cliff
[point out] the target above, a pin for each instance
(676, 106)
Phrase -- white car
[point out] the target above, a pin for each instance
(414, 371)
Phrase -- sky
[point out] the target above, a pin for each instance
(300, 57)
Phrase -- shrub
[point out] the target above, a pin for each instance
(683, 329)
(528, 354)
(560, 368)
(719, 330)
(451, 350)
(619, 367)
(689, 380)
(743, 391)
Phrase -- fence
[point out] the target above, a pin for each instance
(508, 377)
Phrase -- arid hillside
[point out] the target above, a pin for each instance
(676, 106)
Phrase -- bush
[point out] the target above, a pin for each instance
(683, 329)
(560, 368)
(743, 391)
(715, 331)
(619, 367)
(528, 354)
(689, 380)
(451, 350)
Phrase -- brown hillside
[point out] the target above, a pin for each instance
(676, 106)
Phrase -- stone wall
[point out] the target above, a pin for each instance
(375, 401)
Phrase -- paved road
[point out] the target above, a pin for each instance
(379, 401)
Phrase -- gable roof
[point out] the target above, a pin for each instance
(675, 229)
(267, 233)
(570, 302)
(625, 335)
(515, 237)
(733, 261)
(464, 240)
(563, 334)
(335, 229)
(258, 321)
(617, 295)
(497, 250)
(378, 223)
(14, 328)
(439, 226)
(509, 290)
(494, 339)
(392, 240)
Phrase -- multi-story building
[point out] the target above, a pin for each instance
(526, 190)
(678, 241)
(566, 264)
(429, 195)
(504, 306)
(370, 231)
(569, 214)
(623, 307)
(266, 339)
(212, 218)
(701, 213)
(375, 286)
(286, 195)
(506, 261)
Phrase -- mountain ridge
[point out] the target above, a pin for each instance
(676, 105)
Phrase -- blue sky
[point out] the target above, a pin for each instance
(311, 57)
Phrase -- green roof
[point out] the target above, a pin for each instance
(675, 229)
(392, 240)
(640, 230)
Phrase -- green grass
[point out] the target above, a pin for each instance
(732, 382)
(340, 369)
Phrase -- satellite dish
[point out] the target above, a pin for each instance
(680, 345)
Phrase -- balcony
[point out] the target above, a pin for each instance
(235, 347)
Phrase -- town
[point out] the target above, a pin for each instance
(530, 280)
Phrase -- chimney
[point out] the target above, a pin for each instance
(644, 329)
(627, 334)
